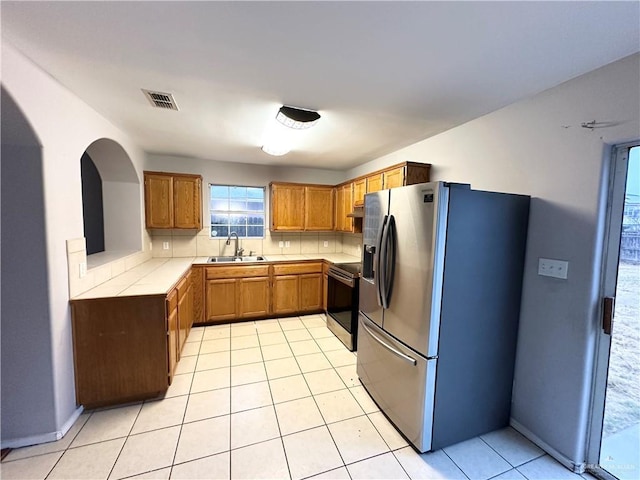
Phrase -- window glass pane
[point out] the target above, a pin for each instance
(238, 205)
(256, 219)
(219, 231)
(219, 191)
(238, 192)
(219, 219)
(238, 219)
(254, 206)
(256, 193)
(255, 231)
(219, 204)
(238, 209)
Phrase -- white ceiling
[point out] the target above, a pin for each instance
(383, 75)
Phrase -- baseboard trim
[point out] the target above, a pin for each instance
(45, 437)
(564, 460)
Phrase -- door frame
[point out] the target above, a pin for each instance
(617, 173)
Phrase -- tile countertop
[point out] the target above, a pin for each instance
(159, 275)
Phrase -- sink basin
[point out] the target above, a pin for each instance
(235, 259)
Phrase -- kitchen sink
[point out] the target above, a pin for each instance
(235, 259)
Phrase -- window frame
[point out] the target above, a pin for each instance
(242, 212)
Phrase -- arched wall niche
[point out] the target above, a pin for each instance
(121, 201)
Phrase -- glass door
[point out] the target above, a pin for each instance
(615, 443)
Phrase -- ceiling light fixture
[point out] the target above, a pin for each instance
(297, 118)
(285, 130)
(275, 150)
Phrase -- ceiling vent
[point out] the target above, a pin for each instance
(160, 99)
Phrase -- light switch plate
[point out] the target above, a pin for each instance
(287, 244)
(165, 245)
(281, 244)
(325, 244)
(553, 268)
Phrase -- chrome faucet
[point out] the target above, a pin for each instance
(239, 250)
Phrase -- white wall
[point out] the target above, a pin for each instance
(25, 303)
(65, 126)
(537, 147)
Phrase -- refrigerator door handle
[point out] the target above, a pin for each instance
(404, 357)
(390, 260)
(379, 274)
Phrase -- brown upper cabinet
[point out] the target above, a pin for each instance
(374, 183)
(318, 209)
(287, 207)
(344, 206)
(173, 200)
(393, 178)
(407, 173)
(301, 207)
(359, 189)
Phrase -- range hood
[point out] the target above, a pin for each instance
(358, 212)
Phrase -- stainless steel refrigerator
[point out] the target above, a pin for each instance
(439, 306)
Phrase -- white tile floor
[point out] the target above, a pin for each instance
(266, 399)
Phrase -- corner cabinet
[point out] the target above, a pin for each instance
(173, 200)
(301, 207)
(127, 348)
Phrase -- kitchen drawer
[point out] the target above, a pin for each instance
(237, 271)
(296, 268)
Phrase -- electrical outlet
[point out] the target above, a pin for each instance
(553, 268)
(165, 245)
(281, 244)
(82, 269)
(325, 244)
(287, 244)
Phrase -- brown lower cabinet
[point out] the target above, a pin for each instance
(297, 288)
(261, 291)
(127, 348)
(237, 292)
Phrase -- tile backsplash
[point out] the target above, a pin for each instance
(113, 264)
(190, 243)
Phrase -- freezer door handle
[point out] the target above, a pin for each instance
(404, 357)
(379, 274)
(390, 260)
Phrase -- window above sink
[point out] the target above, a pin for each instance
(236, 208)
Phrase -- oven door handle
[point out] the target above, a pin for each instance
(348, 281)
